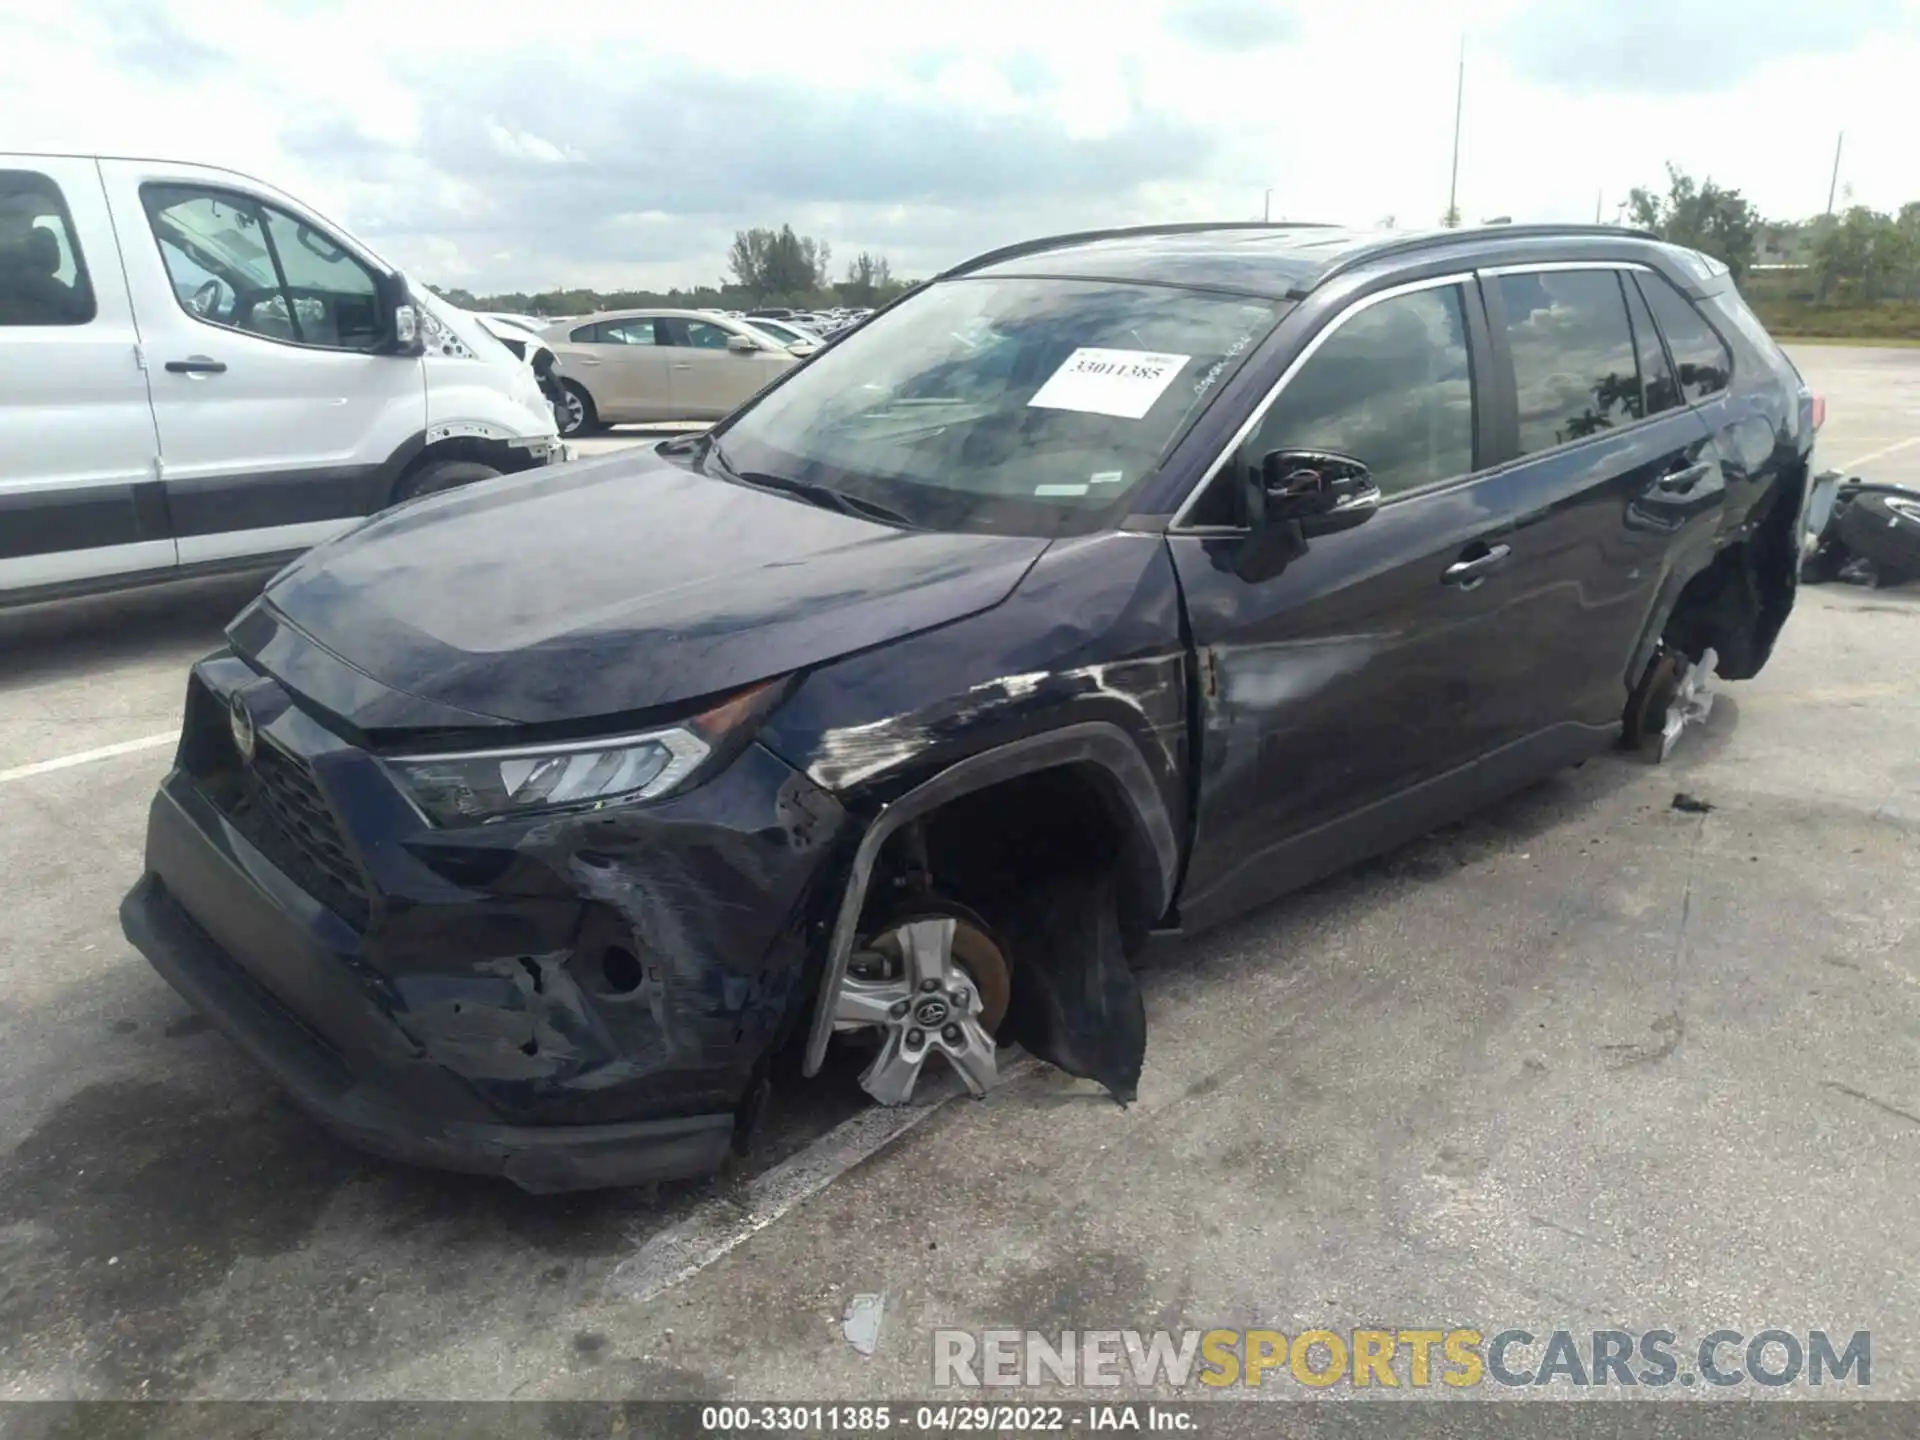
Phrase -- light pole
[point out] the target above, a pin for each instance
(1834, 183)
(1459, 101)
(1266, 208)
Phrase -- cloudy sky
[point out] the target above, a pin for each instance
(501, 144)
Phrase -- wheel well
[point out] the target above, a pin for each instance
(1738, 604)
(1015, 835)
(505, 458)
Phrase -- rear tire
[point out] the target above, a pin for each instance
(1884, 529)
(438, 475)
(578, 416)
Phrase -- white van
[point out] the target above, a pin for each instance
(197, 372)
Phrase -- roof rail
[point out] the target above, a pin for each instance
(1432, 239)
(1082, 237)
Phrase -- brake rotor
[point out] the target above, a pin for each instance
(974, 950)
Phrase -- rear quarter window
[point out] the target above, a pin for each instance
(1702, 358)
(43, 275)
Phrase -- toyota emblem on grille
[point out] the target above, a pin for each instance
(240, 722)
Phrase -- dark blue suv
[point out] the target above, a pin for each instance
(1107, 583)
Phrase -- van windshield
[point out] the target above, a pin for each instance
(1026, 406)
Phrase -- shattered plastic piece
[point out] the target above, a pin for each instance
(861, 1325)
(1692, 700)
(1691, 804)
(1076, 1003)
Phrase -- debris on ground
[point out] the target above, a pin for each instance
(1691, 804)
(862, 1323)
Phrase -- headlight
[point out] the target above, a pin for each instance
(481, 785)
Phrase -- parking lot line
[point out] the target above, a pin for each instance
(717, 1227)
(87, 757)
(1882, 453)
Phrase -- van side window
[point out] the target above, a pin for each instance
(238, 262)
(43, 278)
(1701, 356)
(1391, 386)
(1574, 368)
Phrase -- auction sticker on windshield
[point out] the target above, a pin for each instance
(1109, 382)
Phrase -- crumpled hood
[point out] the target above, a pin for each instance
(603, 588)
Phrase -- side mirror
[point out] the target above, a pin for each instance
(401, 315)
(1291, 496)
(1320, 490)
(742, 345)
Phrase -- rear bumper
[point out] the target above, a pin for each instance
(363, 1113)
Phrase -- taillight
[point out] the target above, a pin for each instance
(1819, 411)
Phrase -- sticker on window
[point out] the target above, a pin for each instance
(1060, 489)
(1124, 383)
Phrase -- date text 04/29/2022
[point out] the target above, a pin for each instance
(943, 1419)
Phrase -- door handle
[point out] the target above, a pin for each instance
(586, 360)
(683, 365)
(1679, 482)
(1468, 574)
(197, 365)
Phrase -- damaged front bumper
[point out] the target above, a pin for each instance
(569, 1001)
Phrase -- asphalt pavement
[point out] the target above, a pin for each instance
(1585, 1061)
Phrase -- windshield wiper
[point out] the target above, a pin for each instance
(814, 493)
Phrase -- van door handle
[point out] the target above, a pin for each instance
(197, 365)
(1468, 574)
(683, 365)
(1679, 482)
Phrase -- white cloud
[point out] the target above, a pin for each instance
(484, 144)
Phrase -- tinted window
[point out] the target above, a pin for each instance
(1573, 363)
(628, 332)
(43, 278)
(1657, 385)
(1699, 354)
(584, 335)
(1012, 404)
(237, 262)
(1391, 386)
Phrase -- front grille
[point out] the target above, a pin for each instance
(276, 803)
(286, 794)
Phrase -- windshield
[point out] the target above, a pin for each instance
(1025, 406)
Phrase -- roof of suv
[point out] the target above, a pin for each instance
(1285, 261)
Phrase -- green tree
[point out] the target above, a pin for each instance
(768, 262)
(1700, 215)
(868, 276)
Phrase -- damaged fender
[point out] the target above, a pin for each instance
(1083, 986)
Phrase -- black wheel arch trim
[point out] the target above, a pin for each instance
(1099, 743)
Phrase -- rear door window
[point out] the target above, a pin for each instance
(1699, 354)
(1574, 368)
(629, 332)
(43, 276)
(1661, 391)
